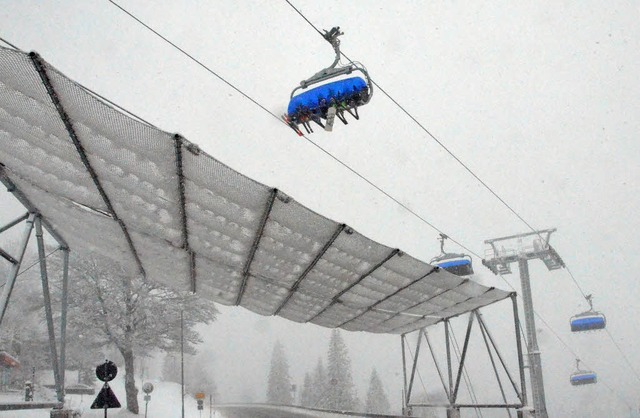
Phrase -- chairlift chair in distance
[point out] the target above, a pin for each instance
(458, 264)
(330, 100)
(588, 320)
(582, 377)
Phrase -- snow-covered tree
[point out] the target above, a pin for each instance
(111, 308)
(199, 375)
(318, 385)
(340, 392)
(377, 401)
(306, 394)
(171, 368)
(279, 382)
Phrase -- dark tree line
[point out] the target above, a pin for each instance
(326, 388)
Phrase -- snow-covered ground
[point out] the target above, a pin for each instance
(164, 403)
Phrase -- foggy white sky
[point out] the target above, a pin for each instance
(540, 99)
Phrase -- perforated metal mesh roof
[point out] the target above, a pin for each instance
(159, 206)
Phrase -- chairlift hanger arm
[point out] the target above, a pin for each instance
(331, 71)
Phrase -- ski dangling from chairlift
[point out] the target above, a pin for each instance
(331, 100)
(458, 264)
(589, 320)
(582, 377)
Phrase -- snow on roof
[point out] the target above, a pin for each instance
(158, 205)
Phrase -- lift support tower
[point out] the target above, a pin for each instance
(530, 246)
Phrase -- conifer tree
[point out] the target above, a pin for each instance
(377, 401)
(279, 382)
(171, 368)
(306, 395)
(340, 392)
(318, 385)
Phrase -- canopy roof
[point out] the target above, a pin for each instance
(155, 203)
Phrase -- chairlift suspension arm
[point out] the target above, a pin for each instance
(332, 38)
(331, 71)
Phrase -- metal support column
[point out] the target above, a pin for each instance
(48, 310)
(13, 273)
(63, 313)
(451, 411)
(493, 363)
(535, 363)
(404, 376)
(523, 383)
(463, 356)
(413, 370)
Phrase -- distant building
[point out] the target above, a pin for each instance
(7, 365)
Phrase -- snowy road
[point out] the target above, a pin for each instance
(273, 411)
(260, 412)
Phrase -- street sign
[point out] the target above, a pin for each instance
(106, 399)
(106, 371)
(147, 388)
(200, 395)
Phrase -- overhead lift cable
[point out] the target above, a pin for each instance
(248, 97)
(208, 69)
(466, 167)
(10, 44)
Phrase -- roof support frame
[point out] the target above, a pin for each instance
(493, 364)
(452, 384)
(256, 242)
(352, 285)
(433, 356)
(463, 356)
(40, 67)
(413, 369)
(13, 274)
(310, 267)
(22, 198)
(48, 311)
(404, 373)
(35, 222)
(488, 338)
(14, 222)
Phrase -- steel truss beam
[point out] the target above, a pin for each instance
(451, 382)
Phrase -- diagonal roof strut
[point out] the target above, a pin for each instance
(352, 285)
(372, 307)
(38, 63)
(256, 242)
(178, 140)
(310, 267)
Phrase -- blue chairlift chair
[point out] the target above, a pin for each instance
(330, 100)
(458, 264)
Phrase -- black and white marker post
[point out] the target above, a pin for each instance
(106, 399)
(147, 388)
